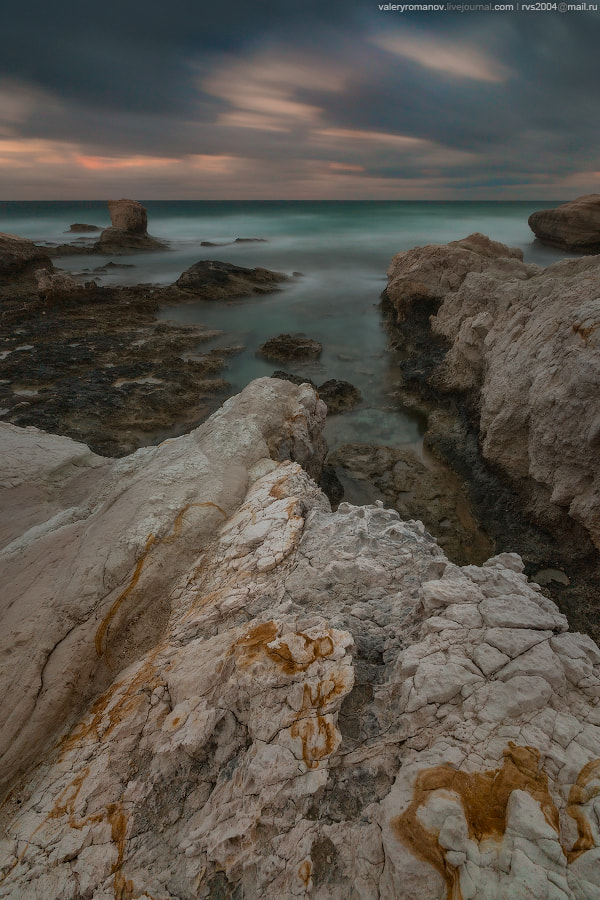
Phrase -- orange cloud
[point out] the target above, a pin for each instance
(128, 162)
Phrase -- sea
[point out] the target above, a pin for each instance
(337, 254)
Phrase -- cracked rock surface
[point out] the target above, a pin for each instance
(523, 346)
(329, 709)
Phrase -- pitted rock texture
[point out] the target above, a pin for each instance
(332, 711)
(571, 226)
(524, 345)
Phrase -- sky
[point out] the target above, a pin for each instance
(315, 99)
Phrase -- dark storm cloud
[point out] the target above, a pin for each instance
(296, 94)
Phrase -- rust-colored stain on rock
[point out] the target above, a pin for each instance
(151, 542)
(484, 797)
(304, 872)
(582, 792)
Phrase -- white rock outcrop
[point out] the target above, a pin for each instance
(525, 342)
(332, 710)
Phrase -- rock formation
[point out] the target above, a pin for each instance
(571, 226)
(524, 348)
(60, 287)
(81, 227)
(295, 702)
(17, 254)
(128, 232)
(214, 280)
(284, 347)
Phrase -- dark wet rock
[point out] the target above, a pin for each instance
(295, 379)
(290, 346)
(17, 254)
(114, 240)
(214, 280)
(571, 226)
(339, 396)
(419, 489)
(99, 368)
(211, 244)
(331, 486)
(81, 227)
(250, 241)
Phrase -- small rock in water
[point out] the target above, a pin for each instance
(81, 227)
(339, 396)
(290, 346)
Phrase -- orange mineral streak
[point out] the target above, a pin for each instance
(151, 542)
(484, 797)
(114, 706)
(314, 649)
(586, 788)
(585, 332)
(304, 872)
(317, 732)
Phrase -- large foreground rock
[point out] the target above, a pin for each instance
(17, 253)
(571, 226)
(524, 346)
(332, 709)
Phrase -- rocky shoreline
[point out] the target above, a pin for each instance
(225, 687)
(469, 313)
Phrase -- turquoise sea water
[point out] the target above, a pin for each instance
(342, 249)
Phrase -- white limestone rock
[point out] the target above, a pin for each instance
(329, 708)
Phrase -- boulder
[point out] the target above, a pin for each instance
(339, 396)
(60, 287)
(213, 280)
(295, 702)
(128, 215)
(421, 277)
(290, 346)
(573, 226)
(17, 254)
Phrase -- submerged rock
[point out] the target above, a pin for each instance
(419, 490)
(81, 227)
(293, 701)
(571, 226)
(213, 280)
(290, 346)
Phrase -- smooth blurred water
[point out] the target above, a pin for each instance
(342, 249)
